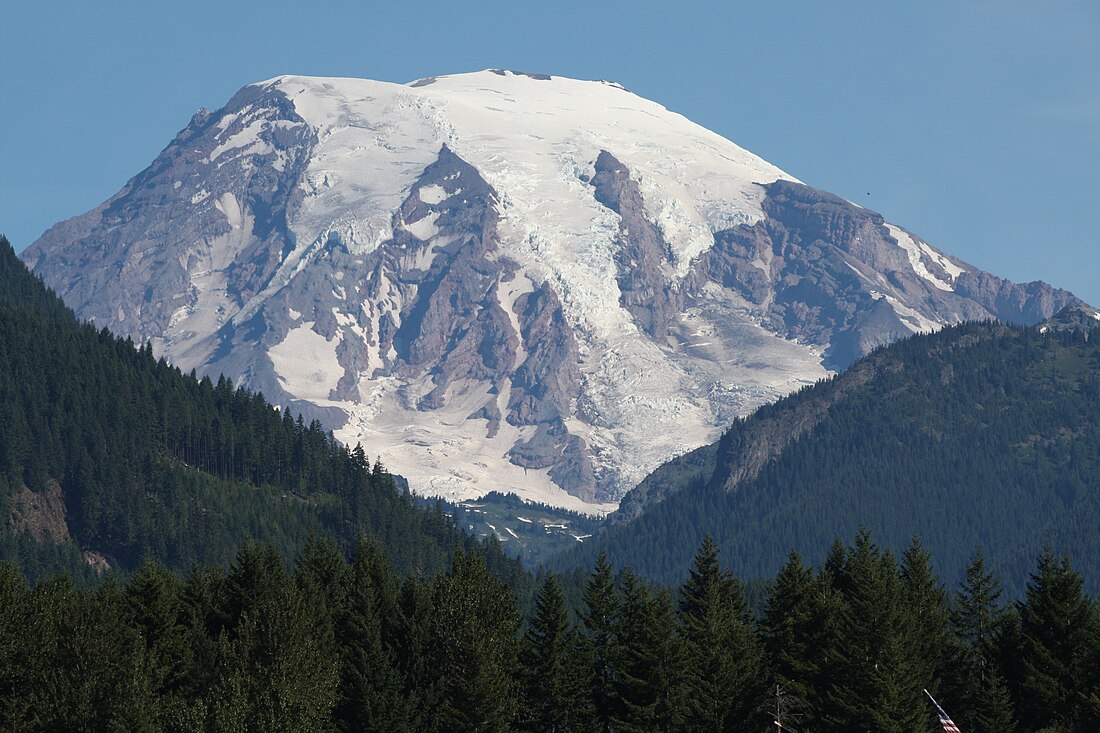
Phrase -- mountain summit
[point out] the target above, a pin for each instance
(500, 280)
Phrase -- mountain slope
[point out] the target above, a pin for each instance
(980, 434)
(108, 456)
(551, 285)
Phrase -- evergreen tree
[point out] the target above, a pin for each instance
(647, 661)
(1058, 626)
(370, 695)
(281, 663)
(474, 629)
(722, 660)
(153, 608)
(978, 622)
(600, 619)
(875, 687)
(554, 692)
(791, 631)
(928, 631)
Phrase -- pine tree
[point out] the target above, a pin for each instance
(978, 622)
(281, 659)
(474, 629)
(647, 661)
(600, 620)
(153, 608)
(722, 660)
(370, 693)
(18, 624)
(874, 686)
(1058, 624)
(791, 630)
(929, 640)
(549, 655)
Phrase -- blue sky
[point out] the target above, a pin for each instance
(974, 124)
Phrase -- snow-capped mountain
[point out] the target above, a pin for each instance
(500, 280)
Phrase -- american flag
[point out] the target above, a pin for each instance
(948, 724)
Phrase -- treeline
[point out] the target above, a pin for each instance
(151, 462)
(980, 432)
(351, 645)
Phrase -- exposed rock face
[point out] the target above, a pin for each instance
(501, 281)
(41, 514)
(645, 270)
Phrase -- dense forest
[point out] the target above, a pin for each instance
(978, 435)
(109, 455)
(180, 555)
(351, 645)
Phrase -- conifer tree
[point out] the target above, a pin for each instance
(978, 622)
(153, 608)
(370, 695)
(647, 661)
(554, 694)
(874, 686)
(281, 660)
(1058, 625)
(18, 625)
(600, 619)
(474, 628)
(791, 634)
(722, 660)
(926, 625)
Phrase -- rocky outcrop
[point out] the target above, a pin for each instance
(41, 514)
(823, 271)
(643, 259)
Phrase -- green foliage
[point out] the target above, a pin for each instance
(552, 666)
(600, 618)
(155, 463)
(1059, 628)
(979, 431)
(647, 661)
(340, 645)
(474, 630)
(722, 664)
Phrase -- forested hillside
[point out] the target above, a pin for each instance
(354, 646)
(109, 455)
(979, 435)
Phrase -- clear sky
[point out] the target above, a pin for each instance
(974, 124)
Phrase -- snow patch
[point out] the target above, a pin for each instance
(914, 251)
(433, 194)
(953, 271)
(306, 364)
(425, 227)
(229, 206)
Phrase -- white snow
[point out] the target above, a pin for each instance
(432, 194)
(229, 206)
(1096, 315)
(535, 143)
(306, 364)
(247, 138)
(914, 251)
(531, 140)
(424, 228)
(441, 452)
(953, 271)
